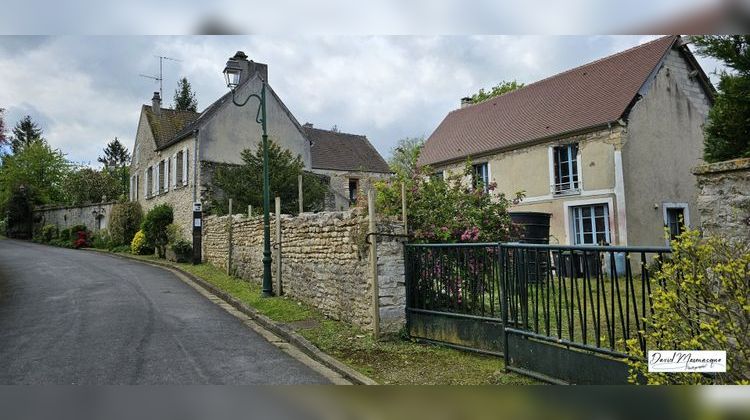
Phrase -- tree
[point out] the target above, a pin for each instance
(184, 97)
(3, 136)
(25, 133)
(115, 155)
(244, 183)
(87, 185)
(37, 167)
(727, 132)
(154, 227)
(497, 90)
(404, 156)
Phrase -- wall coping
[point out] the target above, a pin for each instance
(725, 166)
(67, 206)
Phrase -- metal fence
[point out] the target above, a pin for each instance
(533, 300)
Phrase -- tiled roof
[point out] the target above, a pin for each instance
(588, 96)
(343, 152)
(167, 123)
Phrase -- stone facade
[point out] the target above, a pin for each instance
(338, 195)
(94, 216)
(325, 262)
(724, 199)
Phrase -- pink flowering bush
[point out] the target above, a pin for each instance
(449, 209)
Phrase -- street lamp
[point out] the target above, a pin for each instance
(232, 74)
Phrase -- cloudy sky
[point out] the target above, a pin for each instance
(86, 90)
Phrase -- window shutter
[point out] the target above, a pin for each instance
(174, 170)
(185, 167)
(167, 164)
(132, 183)
(146, 180)
(156, 179)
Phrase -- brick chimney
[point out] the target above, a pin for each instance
(465, 102)
(249, 67)
(156, 103)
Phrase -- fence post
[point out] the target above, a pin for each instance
(403, 207)
(249, 211)
(299, 183)
(279, 289)
(374, 265)
(229, 235)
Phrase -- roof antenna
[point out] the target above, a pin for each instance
(160, 79)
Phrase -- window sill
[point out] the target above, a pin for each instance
(565, 193)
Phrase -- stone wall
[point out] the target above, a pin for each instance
(325, 261)
(724, 199)
(94, 216)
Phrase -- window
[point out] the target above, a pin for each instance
(353, 187)
(178, 168)
(590, 224)
(675, 221)
(160, 178)
(565, 167)
(481, 175)
(439, 175)
(149, 181)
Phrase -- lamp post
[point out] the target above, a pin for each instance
(232, 74)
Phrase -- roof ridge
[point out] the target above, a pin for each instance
(598, 60)
(335, 132)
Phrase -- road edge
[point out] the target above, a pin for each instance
(283, 331)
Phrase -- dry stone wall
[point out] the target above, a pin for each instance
(724, 199)
(325, 261)
(94, 216)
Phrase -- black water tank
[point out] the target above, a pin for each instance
(535, 226)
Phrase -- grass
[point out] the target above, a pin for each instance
(394, 359)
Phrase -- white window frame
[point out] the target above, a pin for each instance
(614, 236)
(685, 212)
(485, 174)
(185, 166)
(573, 186)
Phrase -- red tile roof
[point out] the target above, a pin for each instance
(588, 96)
(343, 152)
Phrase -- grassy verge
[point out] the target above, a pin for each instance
(392, 360)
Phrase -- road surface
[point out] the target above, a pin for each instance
(81, 317)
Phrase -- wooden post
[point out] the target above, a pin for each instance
(229, 235)
(374, 265)
(249, 210)
(403, 207)
(279, 289)
(299, 183)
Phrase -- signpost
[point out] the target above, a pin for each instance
(197, 229)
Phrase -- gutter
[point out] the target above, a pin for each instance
(195, 167)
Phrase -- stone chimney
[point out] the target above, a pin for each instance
(308, 125)
(466, 102)
(249, 67)
(156, 103)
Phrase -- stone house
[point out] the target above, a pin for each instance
(176, 152)
(349, 161)
(606, 148)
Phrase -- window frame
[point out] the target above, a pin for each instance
(353, 199)
(577, 227)
(685, 213)
(573, 171)
(484, 168)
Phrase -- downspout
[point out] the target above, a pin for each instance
(195, 167)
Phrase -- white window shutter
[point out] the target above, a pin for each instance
(185, 167)
(130, 192)
(167, 164)
(174, 170)
(156, 179)
(146, 180)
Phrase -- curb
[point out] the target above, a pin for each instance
(282, 330)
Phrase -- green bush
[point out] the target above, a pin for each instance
(174, 233)
(101, 239)
(64, 235)
(140, 246)
(124, 222)
(703, 304)
(77, 228)
(154, 226)
(49, 232)
(183, 250)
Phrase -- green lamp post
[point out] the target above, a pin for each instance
(232, 74)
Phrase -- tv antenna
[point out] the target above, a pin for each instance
(160, 79)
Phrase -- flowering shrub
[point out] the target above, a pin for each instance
(139, 246)
(449, 209)
(703, 304)
(81, 239)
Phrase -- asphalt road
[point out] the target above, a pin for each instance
(80, 317)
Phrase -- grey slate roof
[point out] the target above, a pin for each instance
(344, 152)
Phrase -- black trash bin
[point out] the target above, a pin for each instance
(534, 230)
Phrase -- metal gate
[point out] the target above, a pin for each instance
(557, 313)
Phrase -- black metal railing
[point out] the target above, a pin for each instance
(454, 278)
(591, 297)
